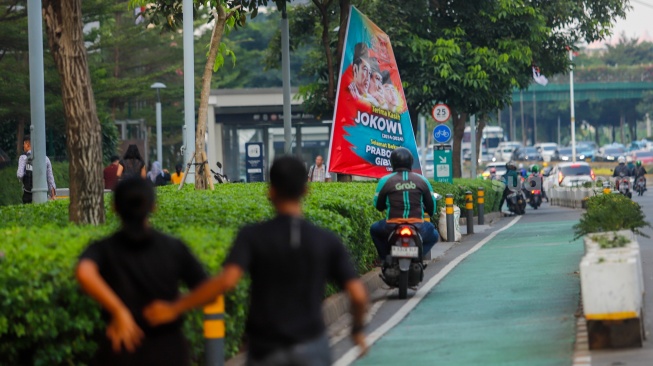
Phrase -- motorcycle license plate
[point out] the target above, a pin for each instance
(405, 252)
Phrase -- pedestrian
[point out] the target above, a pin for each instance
(128, 270)
(111, 173)
(177, 176)
(157, 176)
(132, 164)
(318, 172)
(289, 261)
(25, 172)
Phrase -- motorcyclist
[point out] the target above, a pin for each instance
(630, 165)
(493, 174)
(511, 181)
(639, 171)
(535, 181)
(522, 171)
(405, 196)
(621, 168)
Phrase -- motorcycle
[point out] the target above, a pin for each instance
(219, 176)
(534, 193)
(623, 183)
(516, 202)
(640, 186)
(404, 265)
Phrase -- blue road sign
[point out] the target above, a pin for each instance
(442, 134)
(254, 161)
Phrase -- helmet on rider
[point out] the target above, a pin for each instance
(629, 159)
(535, 168)
(493, 170)
(401, 158)
(521, 166)
(511, 165)
(621, 160)
(638, 163)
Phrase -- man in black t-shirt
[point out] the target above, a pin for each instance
(129, 270)
(290, 262)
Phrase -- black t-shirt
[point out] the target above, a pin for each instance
(145, 270)
(289, 273)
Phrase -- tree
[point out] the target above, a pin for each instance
(63, 25)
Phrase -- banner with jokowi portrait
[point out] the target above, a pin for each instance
(371, 116)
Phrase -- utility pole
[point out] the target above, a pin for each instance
(37, 100)
(472, 135)
(558, 130)
(285, 69)
(521, 107)
(573, 113)
(534, 118)
(189, 87)
(511, 125)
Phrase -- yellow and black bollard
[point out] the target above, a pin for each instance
(469, 207)
(451, 234)
(481, 206)
(606, 187)
(214, 332)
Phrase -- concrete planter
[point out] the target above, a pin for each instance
(612, 289)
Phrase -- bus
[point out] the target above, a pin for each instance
(492, 136)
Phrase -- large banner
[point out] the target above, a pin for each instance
(371, 117)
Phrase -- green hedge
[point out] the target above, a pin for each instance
(12, 190)
(611, 212)
(46, 320)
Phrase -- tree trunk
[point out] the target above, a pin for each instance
(621, 128)
(63, 24)
(324, 13)
(20, 134)
(201, 181)
(479, 135)
(344, 17)
(633, 130)
(597, 137)
(458, 132)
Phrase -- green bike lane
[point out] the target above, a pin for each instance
(510, 303)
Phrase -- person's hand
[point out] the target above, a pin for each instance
(166, 171)
(123, 331)
(160, 312)
(53, 194)
(359, 339)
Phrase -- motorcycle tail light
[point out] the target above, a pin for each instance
(592, 174)
(405, 232)
(560, 177)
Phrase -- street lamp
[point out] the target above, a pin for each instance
(159, 149)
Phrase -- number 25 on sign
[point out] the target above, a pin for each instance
(441, 112)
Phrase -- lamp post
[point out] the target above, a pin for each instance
(159, 148)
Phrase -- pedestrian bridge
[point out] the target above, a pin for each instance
(593, 91)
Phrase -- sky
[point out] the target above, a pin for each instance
(637, 21)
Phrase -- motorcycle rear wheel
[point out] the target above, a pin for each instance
(403, 284)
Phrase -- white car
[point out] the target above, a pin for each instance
(569, 175)
(547, 150)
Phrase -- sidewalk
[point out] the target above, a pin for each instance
(510, 303)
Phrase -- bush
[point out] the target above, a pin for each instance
(46, 320)
(611, 212)
(12, 190)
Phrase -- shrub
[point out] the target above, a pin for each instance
(46, 320)
(611, 212)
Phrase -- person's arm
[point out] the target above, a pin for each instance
(381, 194)
(123, 330)
(22, 161)
(143, 172)
(120, 169)
(427, 197)
(161, 312)
(358, 298)
(50, 177)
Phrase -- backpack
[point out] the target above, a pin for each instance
(27, 177)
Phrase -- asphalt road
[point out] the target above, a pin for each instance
(505, 298)
(640, 356)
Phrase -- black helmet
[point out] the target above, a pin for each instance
(401, 158)
(511, 165)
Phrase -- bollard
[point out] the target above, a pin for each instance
(481, 206)
(469, 207)
(214, 332)
(451, 233)
(606, 187)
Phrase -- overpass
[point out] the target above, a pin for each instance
(585, 91)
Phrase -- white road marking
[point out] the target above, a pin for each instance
(346, 331)
(352, 354)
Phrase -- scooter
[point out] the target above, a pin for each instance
(516, 202)
(536, 199)
(624, 185)
(219, 176)
(640, 186)
(404, 265)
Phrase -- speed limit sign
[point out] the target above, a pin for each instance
(441, 112)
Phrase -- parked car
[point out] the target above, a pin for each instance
(527, 153)
(547, 150)
(609, 153)
(646, 157)
(569, 175)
